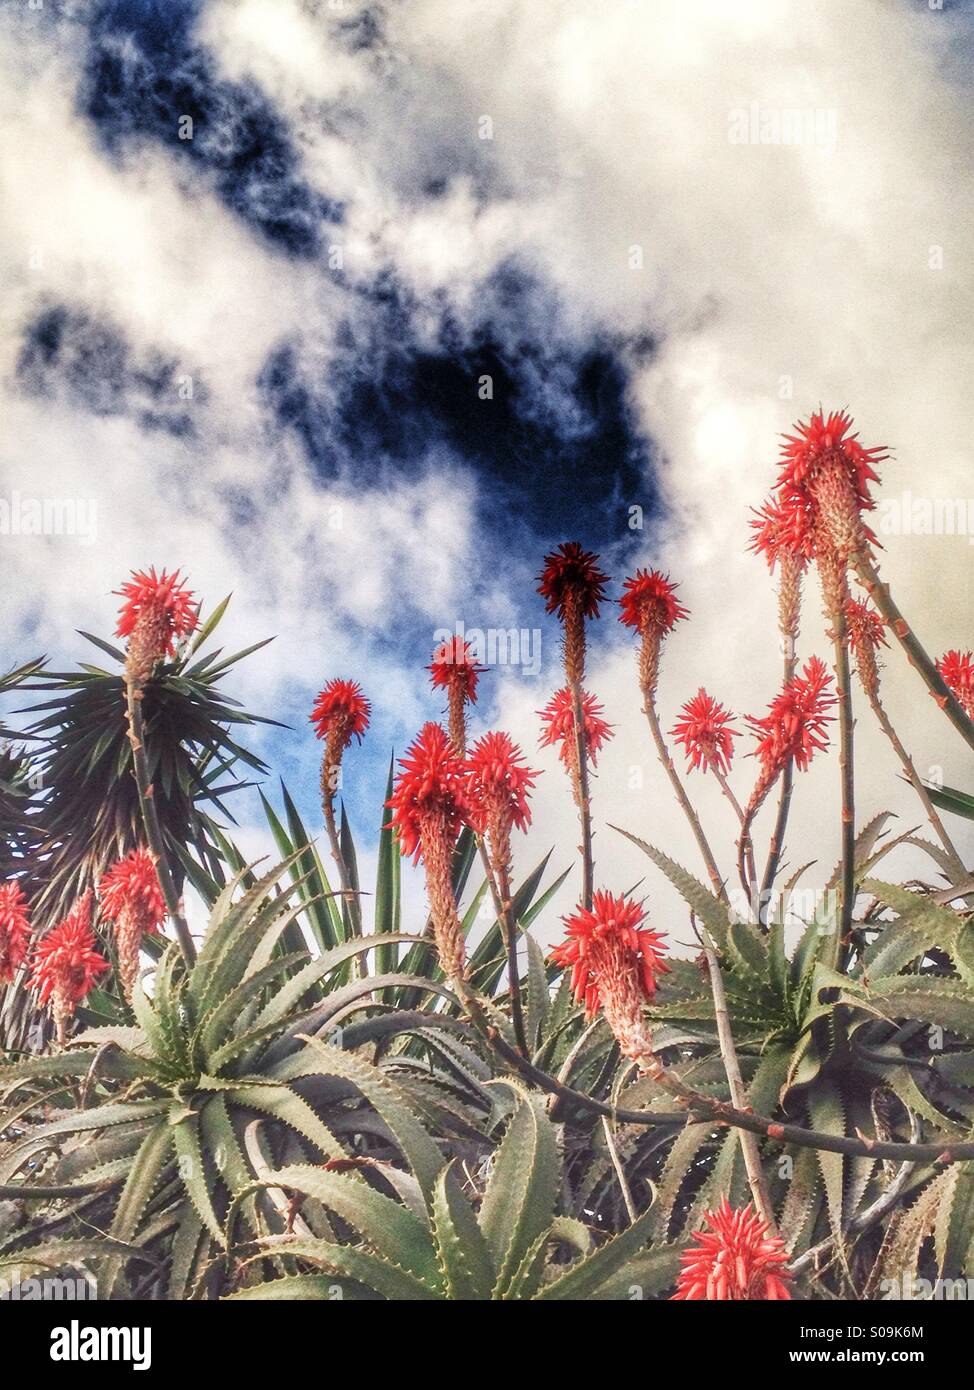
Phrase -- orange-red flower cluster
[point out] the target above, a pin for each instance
(736, 1259)
(823, 486)
(498, 785)
(157, 612)
(14, 930)
(794, 727)
(649, 601)
(571, 575)
(340, 713)
(67, 963)
(615, 964)
(706, 733)
(455, 667)
(131, 896)
(957, 669)
(429, 795)
(559, 716)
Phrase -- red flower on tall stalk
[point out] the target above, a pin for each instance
(866, 635)
(157, 612)
(429, 807)
(957, 669)
(823, 486)
(649, 606)
(14, 930)
(775, 538)
(571, 575)
(615, 964)
(706, 733)
(559, 716)
(573, 586)
(455, 670)
(340, 713)
(736, 1259)
(499, 783)
(131, 897)
(67, 963)
(794, 727)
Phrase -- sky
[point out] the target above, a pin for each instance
(356, 310)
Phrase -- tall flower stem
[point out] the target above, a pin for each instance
(349, 895)
(738, 1093)
(777, 842)
(916, 654)
(150, 818)
(500, 892)
(649, 709)
(620, 1171)
(843, 690)
(885, 723)
(725, 787)
(582, 796)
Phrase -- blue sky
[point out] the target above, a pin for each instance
(265, 254)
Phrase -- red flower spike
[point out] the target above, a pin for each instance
(957, 669)
(794, 726)
(429, 807)
(572, 574)
(453, 666)
(705, 732)
(341, 711)
(559, 716)
(649, 601)
(498, 786)
(430, 787)
(615, 964)
(157, 612)
(14, 930)
(131, 896)
(866, 631)
(738, 1258)
(649, 605)
(454, 669)
(67, 963)
(823, 486)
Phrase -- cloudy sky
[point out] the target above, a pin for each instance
(355, 309)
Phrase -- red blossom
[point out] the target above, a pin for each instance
(454, 668)
(780, 532)
(430, 790)
(498, 784)
(342, 712)
(132, 885)
(649, 602)
(572, 574)
(738, 1258)
(823, 487)
(612, 923)
(705, 732)
(957, 669)
(66, 961)
(559, 716)
(794, 726)
(14, 930)
(160, 601)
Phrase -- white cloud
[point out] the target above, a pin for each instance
(762, 265)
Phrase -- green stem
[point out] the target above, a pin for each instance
(847, 782)
(917, 656)
(582, 794)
